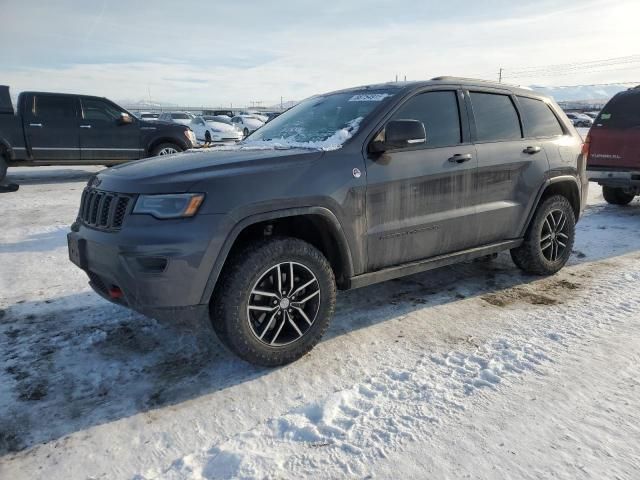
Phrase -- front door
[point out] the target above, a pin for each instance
(51, 127)
(103, 137)
(419, 198)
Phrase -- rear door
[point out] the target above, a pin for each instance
(103, 137)
(419, 198)
(615, 135)
(51, 127)
(511, 169)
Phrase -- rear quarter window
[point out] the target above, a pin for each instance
(538, 119)
(622, 111)
(495, 117)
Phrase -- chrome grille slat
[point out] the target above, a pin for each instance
(103, 210)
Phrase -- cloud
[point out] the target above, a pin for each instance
(245, 60)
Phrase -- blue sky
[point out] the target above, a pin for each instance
(211, 52)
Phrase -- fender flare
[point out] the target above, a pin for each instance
(550, 181)
(343, 245)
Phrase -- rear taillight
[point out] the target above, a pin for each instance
(585, 146)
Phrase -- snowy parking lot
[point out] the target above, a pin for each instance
(470, 371)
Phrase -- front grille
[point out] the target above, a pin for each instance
(103, 210)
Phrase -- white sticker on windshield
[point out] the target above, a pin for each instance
(369, 97)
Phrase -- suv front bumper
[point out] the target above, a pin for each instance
(159, 268)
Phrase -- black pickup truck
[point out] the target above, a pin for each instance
(64, 129)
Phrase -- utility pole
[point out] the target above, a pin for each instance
(281, 104)
(396, 78)
(500, 75)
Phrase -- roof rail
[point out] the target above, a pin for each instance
(476, 80)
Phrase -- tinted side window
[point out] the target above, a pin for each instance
(51, 106)
(538, 119)
(439, 113)
(98, 110)
(496, 117)
(622, 111)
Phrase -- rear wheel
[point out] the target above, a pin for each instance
(549, 239)
(275, 301)
(617, 195)
(165, 149)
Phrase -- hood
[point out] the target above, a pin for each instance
(161, 124)
(178, 173)
(221, 127)
(252, 122)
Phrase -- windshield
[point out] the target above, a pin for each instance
(324, 121)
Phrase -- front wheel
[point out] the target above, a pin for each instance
(617, 195)
(165, 149)
(245, 132)
(275, 301)
(549, 239)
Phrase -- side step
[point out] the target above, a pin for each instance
(423, 265)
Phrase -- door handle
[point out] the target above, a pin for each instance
(460, 158)
(85, 126)
(35, 125)
(532, 150)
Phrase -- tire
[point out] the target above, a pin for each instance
(166, 149)
(245, 132)
(555, 220)
(616, 195)
(3, 167)
(207, 137)
(238, 314)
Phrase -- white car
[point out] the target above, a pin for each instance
(215, 129)
(247, 123)
(183, 118)
(148, 116)
(579, 119)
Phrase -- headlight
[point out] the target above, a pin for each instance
(190, 135)
(178, 205)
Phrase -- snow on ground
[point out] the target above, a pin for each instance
(473, 370)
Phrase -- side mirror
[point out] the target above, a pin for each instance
(400, 134)
(125, 119)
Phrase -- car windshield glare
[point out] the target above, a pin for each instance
(322, 122)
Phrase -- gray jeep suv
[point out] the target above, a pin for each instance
(343, 190)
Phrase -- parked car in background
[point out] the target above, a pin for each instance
(579, 119)
(272, 115)
(215, 129)
(613, 147)
(183, 118)
(218, 113)
(371, 184)
(65, 129)
(247, 123)
(147, 115)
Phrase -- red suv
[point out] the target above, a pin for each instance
(613, 147)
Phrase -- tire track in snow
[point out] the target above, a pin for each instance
(411, 393)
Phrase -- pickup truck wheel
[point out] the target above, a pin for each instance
(275, 301)
(549, 238)
(165, 149)
(617, 195)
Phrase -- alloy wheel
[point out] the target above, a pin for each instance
(283, 304)
(554, 236)
(167, 151)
